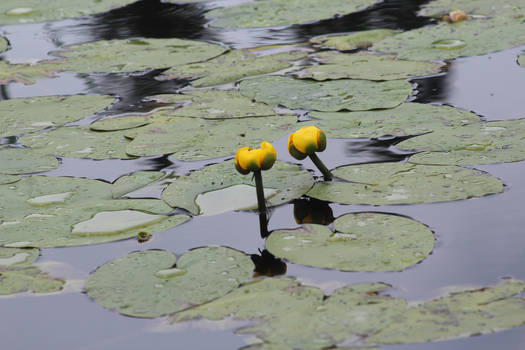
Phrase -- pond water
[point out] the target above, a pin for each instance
(478, 241)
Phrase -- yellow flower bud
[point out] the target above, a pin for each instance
(457, 15)
(247, 159)
(306, 141)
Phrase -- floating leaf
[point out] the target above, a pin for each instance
(331, 96)
(464, 38)
(195, 138)
(360, 40)
(407, 119)
(25, 73)
(132, 182)
(10, 257)
(405, 183)
(18, 280)
(481, 143)
(439, 8)
(361, 242)
(124, 122)
(231, 67)
(24, 115)
(365, 65)
(521, 60)
(4, 44)
(7, 179)
(15, 161)
(288, 180)
(62, 211)
(149, 284)
(266, 13)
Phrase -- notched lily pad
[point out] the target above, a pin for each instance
(132, 182)
(405, 183)
(150, 284)
(14, 161)
(25, 73)
(361, 242)
(231, 67)
(285, 181)
(359, 40)
(331, 96)
(365, 65)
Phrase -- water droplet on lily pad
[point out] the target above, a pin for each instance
(169, 273)
(449, 44)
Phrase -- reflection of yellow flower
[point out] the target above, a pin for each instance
(247, 159)
(306, 141)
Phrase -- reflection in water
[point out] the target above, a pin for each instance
(432, 89)
(379, 150)
(267, 265)
(312, 211)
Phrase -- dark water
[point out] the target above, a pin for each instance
(478, 241)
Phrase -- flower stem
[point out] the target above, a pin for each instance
(326, 173)
(263, 220)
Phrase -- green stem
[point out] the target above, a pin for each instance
(261, 202)
(326, 173)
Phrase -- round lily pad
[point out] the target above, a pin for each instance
(15, 161)
(361, 242)
(286, 181)
(150, 284)
(447, 41)
(359, 40)
(25, 115)
(132, 182)
(405, 183)
(195, 138)
(406, 119)
(481, 143)
(117, 56)
(365, 65)
(25, 73)
(439, 8)
(266, 13)
(62, 211)
(231, 67)
(331, 96)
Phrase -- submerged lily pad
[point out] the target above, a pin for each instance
(231, 67)
(24, 115)
(481, 143)
(118, 56)
(288, 181)
(331, 96)
(361, 242)
(464, 38)
(61, 211)
(15, 161)
(365, 65)
(25, 73)
(150, 284)
(478, 7)
(266, 13)
(405, 183)
(406, 119)
(359, 40)
(195, 138)
(132, 182)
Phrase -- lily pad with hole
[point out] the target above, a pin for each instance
(406, 119)
(25, 73)
(447, 41)
(361, 242)
(405, 183)
(481, 143)
(284, 181)
(62, 211)
(118, 56)
(231, 67)
(25, 115)
(359, 40)
(196, 139)
(440, 8)
(365, 65)
(330, 96)
(14, 161)
(154, 283)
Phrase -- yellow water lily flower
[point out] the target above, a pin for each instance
(248, 159)
(306, 141)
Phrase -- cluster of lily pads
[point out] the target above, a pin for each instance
(351, 86)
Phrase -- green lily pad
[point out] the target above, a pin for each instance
(8, 179)
(359, 40)
(195, 138)
(4, 44)
(231, 67)
(18, 280)
(331, 96)
(124, 122)
(365, 65)
(132, 182)
(14, 161)
(405, 183)
(25, 73)
(406, 119)
(11, 257)
(31, 11)
(78, 142)
(118, 56)
(149, 284)
(288, 180)
(24, 115)
(481, 143)
(361, 242)
(62, 211)
(447, 41)
(266, 13)
(439, 8)
(521, 60)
